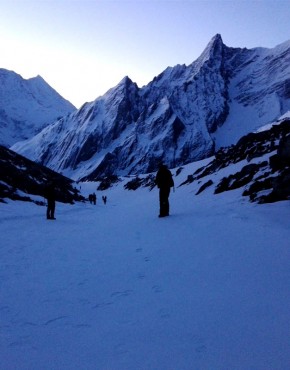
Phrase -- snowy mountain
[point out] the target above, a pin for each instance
(27, 106)
(258, 165)
(185, 114)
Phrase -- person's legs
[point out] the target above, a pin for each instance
(50, 209)
(164, 202)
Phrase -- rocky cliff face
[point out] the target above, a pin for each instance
(183, 115)
(263, 159)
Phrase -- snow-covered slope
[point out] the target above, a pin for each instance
(27, 106)
(184, 114)
(206, 288)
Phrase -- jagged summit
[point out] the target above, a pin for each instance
(215, 42)
(185, 114)
(213, 50)
(123, 83)
(37, 78)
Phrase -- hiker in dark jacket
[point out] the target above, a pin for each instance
(50, 196)
(164, 181)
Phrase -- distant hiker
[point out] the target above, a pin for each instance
(50, 196)
(91, 198)
(164, 181)
(94, 198)
(104, 197)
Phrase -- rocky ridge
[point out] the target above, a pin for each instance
(185, 114)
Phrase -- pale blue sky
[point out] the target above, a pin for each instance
(82, 48)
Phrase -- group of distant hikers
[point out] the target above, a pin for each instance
(93, 199)
(163, 180)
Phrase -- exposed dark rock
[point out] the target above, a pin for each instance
(18, 173)
(88, 149)
(267, 181)
(275, 163)
(280, 167)
(249, 146)
(283, 151)
(258, 186)
(204, 186)
(237, 180)
(137, 182)
(281, 184)
(178, 171)
(108, 182)
(104, 170)
(189, 180)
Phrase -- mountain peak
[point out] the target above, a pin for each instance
(213, 48)
(216, 39)
(27, 106)
(125, 81)
(37, 78)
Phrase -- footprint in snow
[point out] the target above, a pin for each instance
(123, 293)
(163, 313)
(157, 289)
(55, 320)
(102, 305)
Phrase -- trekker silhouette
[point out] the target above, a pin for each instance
(164, 181)
(50, 196)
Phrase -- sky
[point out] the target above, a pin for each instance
(83, 48)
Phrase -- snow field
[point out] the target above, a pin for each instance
(114, 287)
